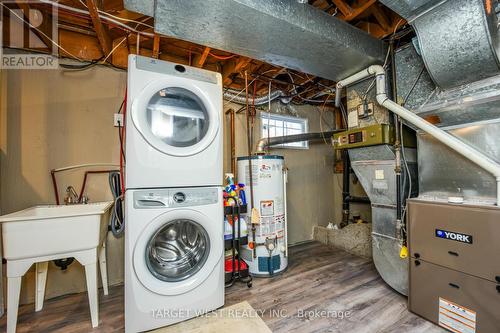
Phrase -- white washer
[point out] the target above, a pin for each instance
(174, 267)
(174, 125)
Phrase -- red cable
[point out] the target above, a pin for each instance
(253, 97)
(121, 142)
(221, 57)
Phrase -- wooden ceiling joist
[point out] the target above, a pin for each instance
(232, 67)
(156, 46)
(349, 13)
(199, 60)
(100, 29)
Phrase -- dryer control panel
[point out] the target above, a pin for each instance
(170, 68)
(176, 197)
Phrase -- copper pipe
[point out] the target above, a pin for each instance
(233, 141)
(54, 184)
(72, 167)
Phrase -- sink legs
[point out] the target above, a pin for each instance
(17, 268)
(91, 277)
(103, 268)
(41, 280)
(13, 290)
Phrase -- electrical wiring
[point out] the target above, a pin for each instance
(243, 90)
(66, 66)
(117, 17)
(221, 57)
(120, 134)
(407, 174)
(344, 114)
(76, 68)
(103, 17)
(321, 111)
(114, 49)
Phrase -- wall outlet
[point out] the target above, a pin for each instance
(118, 120)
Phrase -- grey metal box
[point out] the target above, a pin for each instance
(430, 284)
(473, 242)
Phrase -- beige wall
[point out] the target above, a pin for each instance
(51, 119)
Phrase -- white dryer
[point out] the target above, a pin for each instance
(174, 256)
(174, 125)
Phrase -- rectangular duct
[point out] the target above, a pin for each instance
(146, 7)
(281, 32)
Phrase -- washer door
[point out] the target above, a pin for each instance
(177, 251)
(178, 120)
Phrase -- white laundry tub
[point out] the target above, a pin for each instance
(46, 230)
(42, 233)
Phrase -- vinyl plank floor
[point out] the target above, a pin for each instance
(323, 290)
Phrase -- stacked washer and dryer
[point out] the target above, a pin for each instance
(174, 236)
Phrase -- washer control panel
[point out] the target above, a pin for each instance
(178, 197)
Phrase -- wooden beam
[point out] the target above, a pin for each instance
(381, 18)
(233, 66)
(156, 46)
(100, 29)
(200, 59)
(343, 7)
(359, 10)
(83, 46)
(373, 29)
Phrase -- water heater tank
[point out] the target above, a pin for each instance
(267, 253)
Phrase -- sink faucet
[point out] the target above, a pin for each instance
(71, 196)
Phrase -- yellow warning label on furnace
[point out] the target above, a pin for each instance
(456, 318)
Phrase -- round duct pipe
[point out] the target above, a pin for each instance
(239, 97)
(459, 41)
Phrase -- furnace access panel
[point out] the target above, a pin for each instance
(455, 265)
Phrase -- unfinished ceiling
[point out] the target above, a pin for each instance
(103, 31)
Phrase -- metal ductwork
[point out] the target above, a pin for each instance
(458, 40)
(265, 143)
(281, 32)
(409, 9)
(238, 97)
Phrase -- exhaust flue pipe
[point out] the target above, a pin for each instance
(444, 137)
(265, 143)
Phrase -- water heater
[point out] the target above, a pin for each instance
(267, 251)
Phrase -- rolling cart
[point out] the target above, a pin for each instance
(238, 269)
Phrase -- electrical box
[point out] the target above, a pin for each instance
(363, 137)
(373, 135)
(454, 266)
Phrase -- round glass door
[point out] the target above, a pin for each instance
(177, 117)
(178, 250)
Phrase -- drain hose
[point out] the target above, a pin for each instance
(117, 220)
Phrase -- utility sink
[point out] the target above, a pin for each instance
(42, 233)
(47, 230)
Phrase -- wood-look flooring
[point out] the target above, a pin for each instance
(319, 278)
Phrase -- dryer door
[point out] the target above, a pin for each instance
(177, 119)
(177, 251)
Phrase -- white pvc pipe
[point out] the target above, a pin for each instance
(444, 137)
